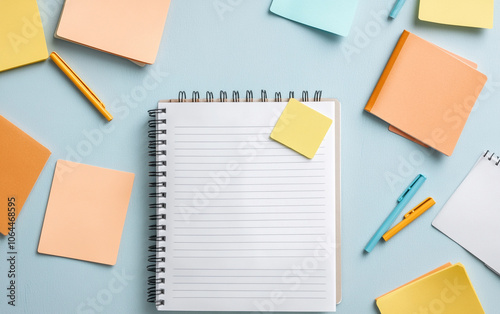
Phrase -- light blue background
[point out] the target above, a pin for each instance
(246, 48)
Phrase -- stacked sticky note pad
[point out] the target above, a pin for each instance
(128, 28)
(426, 93)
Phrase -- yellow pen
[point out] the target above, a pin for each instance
(409, 217)
(81, 85)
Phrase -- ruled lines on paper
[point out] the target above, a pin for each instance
(246, 216)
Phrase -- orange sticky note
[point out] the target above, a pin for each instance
(301, 128)
(86, 212)
(426, 93)
(128, 28)
(21, 162)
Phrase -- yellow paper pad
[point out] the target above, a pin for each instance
(426, 92)
(446, 290)
(301, 128)
(471, 13)
(86, 212)
(21, 34)
(21, 162)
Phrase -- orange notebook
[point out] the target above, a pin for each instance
(21, 162)
(426, 93)
(128, 28)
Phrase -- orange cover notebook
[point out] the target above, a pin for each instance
(128, 28)
(21, 162)
(427, 93)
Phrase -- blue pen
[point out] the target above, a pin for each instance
(397, 7)
(402, 202)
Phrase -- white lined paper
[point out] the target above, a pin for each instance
(247, 219)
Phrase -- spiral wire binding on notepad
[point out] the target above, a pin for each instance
(196, 96)
(182, 97)
(156, 132)
(223, 96)
(236, 96)
(154, 151)
(277, 96)
(491, 157)
(249, 96)
(317, 95)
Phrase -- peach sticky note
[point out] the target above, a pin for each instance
(86, 212)
(446, 289)
(128, 28)
(21, 34)
(471, 13)
(301, 128)
(21, 162)
(426, 93)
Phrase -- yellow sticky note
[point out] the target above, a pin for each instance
(86, 212)
(301, 128)
(446, 290)
(471, 13)
(21, 34)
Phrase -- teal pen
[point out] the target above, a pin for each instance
(397, 7)
(403, 200)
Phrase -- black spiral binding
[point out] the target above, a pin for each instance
(154, 151)
(155, 142)
(491, 157)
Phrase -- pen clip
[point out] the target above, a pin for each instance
(408, 189)
(419, 207)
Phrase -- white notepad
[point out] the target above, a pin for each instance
(250, 225)
(471, 217)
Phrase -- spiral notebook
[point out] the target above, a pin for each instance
(242, 222)
(471, 217)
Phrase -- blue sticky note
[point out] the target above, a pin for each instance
(334, 16)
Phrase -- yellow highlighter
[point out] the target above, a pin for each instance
(409, 217)
(81, 85)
